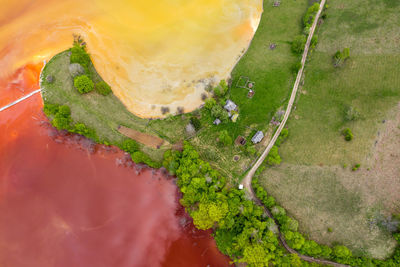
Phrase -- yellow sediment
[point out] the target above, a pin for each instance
(153, 53)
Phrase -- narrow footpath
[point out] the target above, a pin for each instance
(248, 178)
(19, 100)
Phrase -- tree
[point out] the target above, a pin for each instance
(83, 83)
(340, 57)
(210, 103)
(273, 157)
(348, 135)
(224, 138)
(130, 146)
(255, 256)
(196, 123)
(341, 252)
(103, 88)
(50, 109)
(79, 55)
(81, 129)
(298, 44)
(218, 112)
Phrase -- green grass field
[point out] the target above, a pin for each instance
(271, 72)
(101, 113)
(269, 69)
(312, 183)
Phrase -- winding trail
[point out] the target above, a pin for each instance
(19, 100)
(248, 178)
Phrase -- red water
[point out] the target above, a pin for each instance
(67, 202)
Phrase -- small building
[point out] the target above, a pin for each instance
(241, 187)
(230, 106)
(235, 117)
(240, 140)
(217, 122)
(257, 137)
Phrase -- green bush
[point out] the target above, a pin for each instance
(83, 83)
(296, 67)
(314, 41)
(348, 135)
(298, 44)
(210, 103)
(356, 167)
(79, 55)
(50, 109)
(340, 57)
(82, 129)
(224, 138)
(103, 88)
(309, 17)
(60, 115)
(273, 157)
(130, 146)
(218, 112)
(196, 123)
(351, 114)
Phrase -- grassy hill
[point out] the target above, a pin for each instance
(315, 182)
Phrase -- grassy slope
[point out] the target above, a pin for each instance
(310, 183)
(270, 70)
(102, 113)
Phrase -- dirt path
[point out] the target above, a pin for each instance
(248, 178)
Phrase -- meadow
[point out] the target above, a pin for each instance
(316, 183)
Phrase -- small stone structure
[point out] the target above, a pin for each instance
(258, 137)
(272, 46)
(240, 140)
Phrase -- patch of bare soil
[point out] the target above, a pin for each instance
(143, 138)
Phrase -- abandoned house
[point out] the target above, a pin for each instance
(257, 137)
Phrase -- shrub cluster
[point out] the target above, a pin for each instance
(80, 56)
(103, 88)
(196, 123)
(273, 157)
(348, 135)
(298, 44)
(309, 17)
(83, 83)
(341, 56)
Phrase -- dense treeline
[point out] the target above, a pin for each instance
(297, 241)
(242, 230)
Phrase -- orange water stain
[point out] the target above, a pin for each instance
(67, 202)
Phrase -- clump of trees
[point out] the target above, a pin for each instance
(298, 44)
(348, 135)
(309, 17)
(83, 84)
(196, 123)
(80, 56)
(340, 57)
(217, 111)
(103, 88)
(241, 229)
(225, 138)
